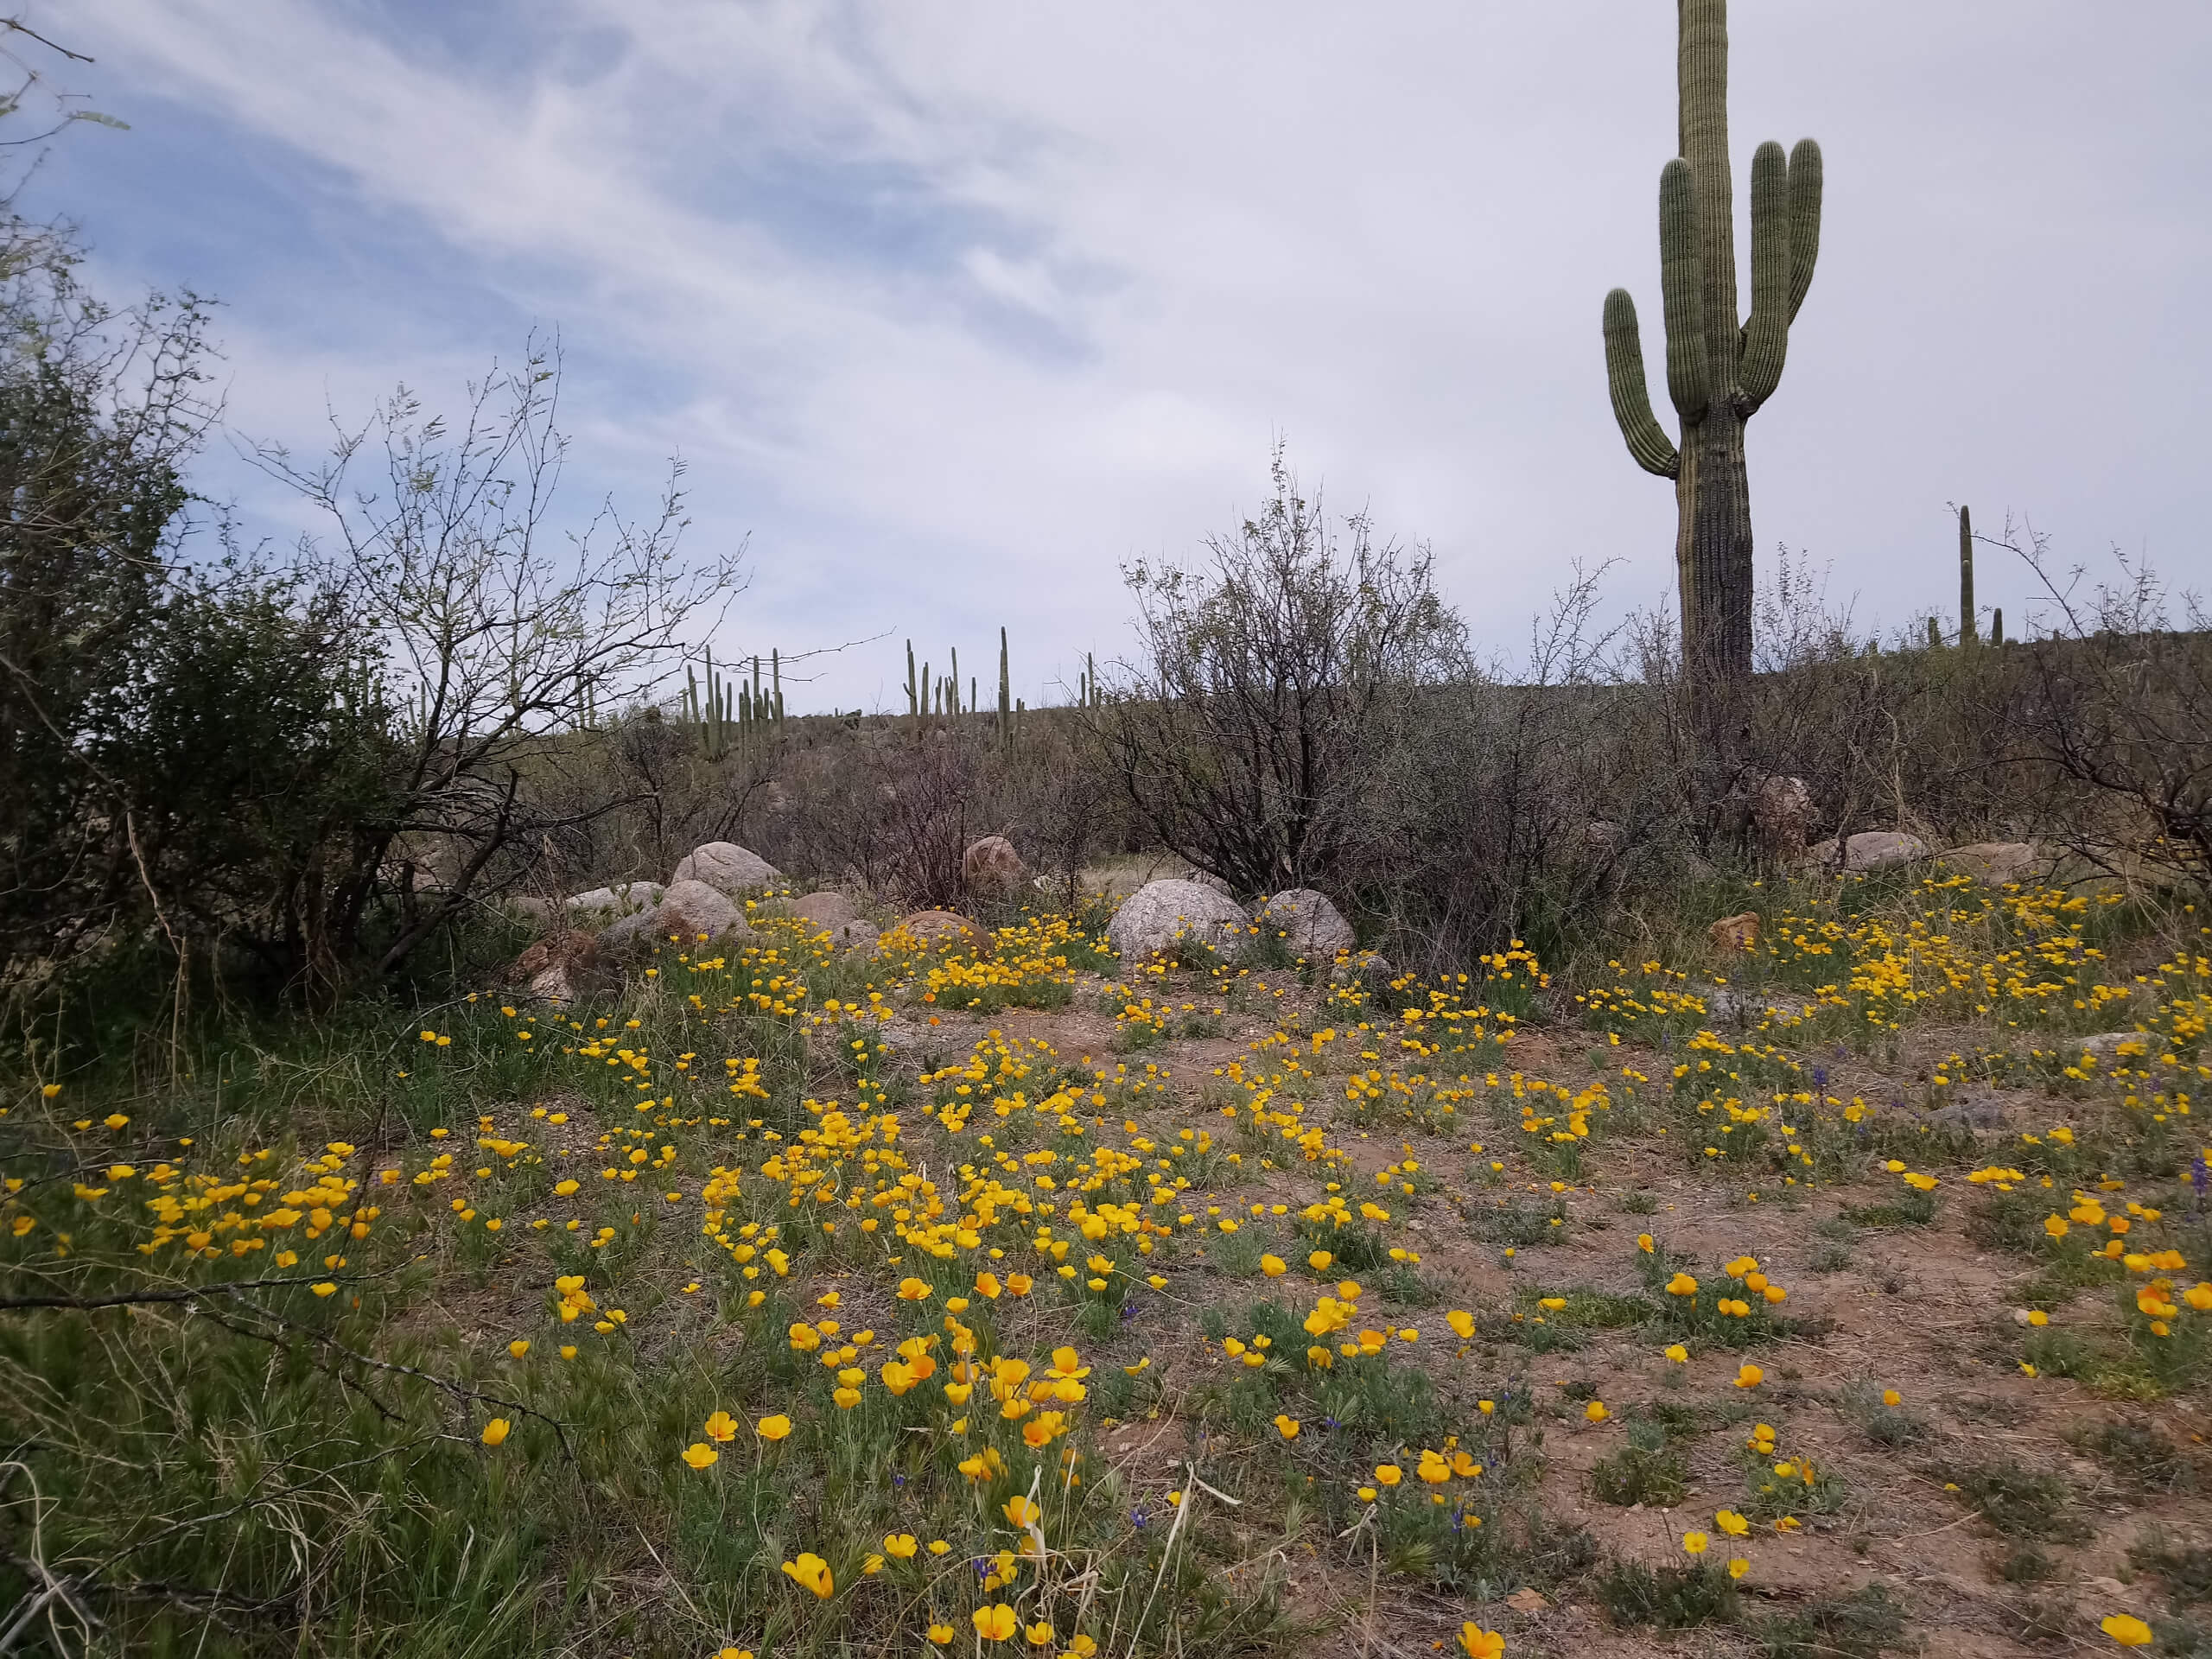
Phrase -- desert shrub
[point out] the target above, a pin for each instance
(1272, 685)
(2184, 1570)
(1647, 1471)
(1671, 1598)
(186, 745)
(2141, 1454)
(2114, 715)
(2018, 1502)
(1857, 1626)
(1862, 1405)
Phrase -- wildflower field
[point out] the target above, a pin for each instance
(1850, 1296)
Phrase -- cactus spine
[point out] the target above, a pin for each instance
(1966, 578)
(1718, 371)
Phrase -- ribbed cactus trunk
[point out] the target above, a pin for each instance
(1718, 371)
(1712, 495)
(1712, 549)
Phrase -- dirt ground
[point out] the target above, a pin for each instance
(1922, 1310)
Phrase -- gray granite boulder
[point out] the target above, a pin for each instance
(1161, 915)
(1311, 925)
(727, 866)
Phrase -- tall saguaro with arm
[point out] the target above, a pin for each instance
(1718, 371)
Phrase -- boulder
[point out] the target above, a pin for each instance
(1160, 914)
(1871, 850)
(1983, 1112)
(1734, 933)
(1782, 814)
(690, 909)
(726, 867)
(543, 912)
(825, 910)
(1993, 862)
(992, 869)
(1727, 1003)
(564, 967)
(630, 936)
(856, 936)
(623, 899)
(939, 927)
(1310, 925)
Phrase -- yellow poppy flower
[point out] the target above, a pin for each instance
(811, 1573)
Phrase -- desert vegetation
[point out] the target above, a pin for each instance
(1677, 1139)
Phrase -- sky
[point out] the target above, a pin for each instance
(952, 310)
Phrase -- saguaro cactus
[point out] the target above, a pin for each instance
(1006, 694)
(1966, 578)
(1718, 370)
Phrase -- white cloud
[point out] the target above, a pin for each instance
(958, 305)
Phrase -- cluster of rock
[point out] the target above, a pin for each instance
(704, 903)
(1164, 918)
(1782, 813)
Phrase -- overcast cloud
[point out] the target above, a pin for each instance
(953, 309)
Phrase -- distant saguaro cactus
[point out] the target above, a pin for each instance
(1966, 578)
(1718, 371)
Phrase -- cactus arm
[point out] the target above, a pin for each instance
(1647, 442)
(1766, 337)
(1689, 380)
(1805, 178)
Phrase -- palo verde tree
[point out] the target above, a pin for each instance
(1720, 372)
(498, 638)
